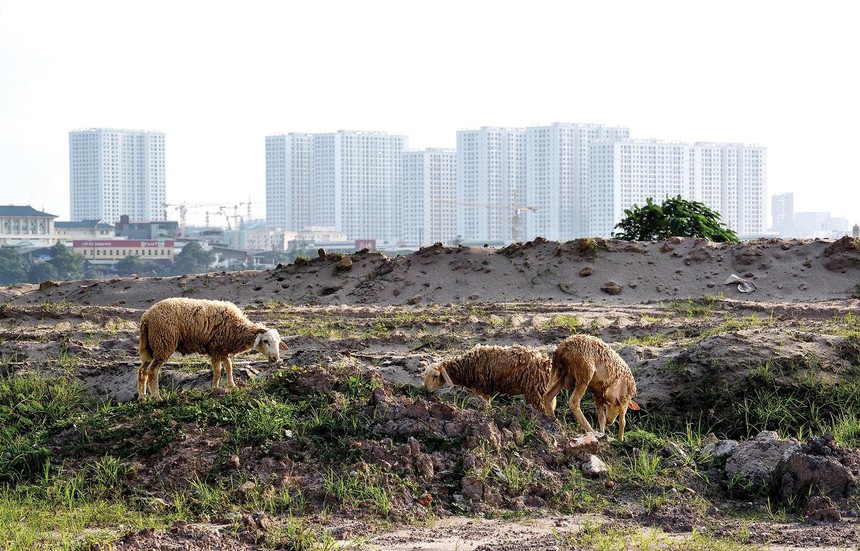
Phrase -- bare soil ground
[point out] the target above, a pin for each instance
(695, 344)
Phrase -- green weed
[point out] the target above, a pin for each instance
(579, 494)
(694, 308)
(298, 534)
(643, 467)
(655, 339)
(565, 321)
(371, 488)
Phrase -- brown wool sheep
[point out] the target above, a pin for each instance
(215, 328)
(490, 370)
(587, 363)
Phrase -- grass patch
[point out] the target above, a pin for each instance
(565, 321)
(370, 488)
(658, 340)
(734, 324)
(33, 408)
(694, 308)
(600, 537)
(579, 494)
(791, 401)
(55, 510)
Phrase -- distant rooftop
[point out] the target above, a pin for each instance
(15, 210)
(127, 130)
(84, 224)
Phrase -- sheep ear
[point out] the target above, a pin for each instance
(633, 405)
(258, 339)
(282, 345)
(446, 377)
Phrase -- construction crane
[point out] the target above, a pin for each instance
(183, 212)
(235, 216)
(211, 213)
(516, 212)
(248, 204)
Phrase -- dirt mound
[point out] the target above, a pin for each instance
(573, 271)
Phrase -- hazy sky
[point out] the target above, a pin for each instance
(217, 77)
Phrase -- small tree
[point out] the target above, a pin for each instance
(676, 217)
(12, 267)
(135, 265)
(193, 259)
(41, 271)
(67, 264)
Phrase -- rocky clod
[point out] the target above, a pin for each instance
(751, 466)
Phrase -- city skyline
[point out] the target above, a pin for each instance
(559, 182)
(665, 70)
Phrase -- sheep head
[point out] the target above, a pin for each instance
(435, 378)
(269, 343)
(618, 395)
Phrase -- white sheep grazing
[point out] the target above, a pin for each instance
(212, 327)
(490, 370)
(587, 363)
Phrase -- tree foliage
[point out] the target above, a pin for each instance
(135, 265)
(12, 267)
(68, 264)
(193, 259)
(676, 217)
(41, 271)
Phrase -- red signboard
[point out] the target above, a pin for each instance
(121, 243)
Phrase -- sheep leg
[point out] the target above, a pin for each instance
(142, 374)
(216, 371)
(153, 371)
(228, 367)
(549, 398)
(576, 401)
(601, 415)
(622, 422)
(551, 411)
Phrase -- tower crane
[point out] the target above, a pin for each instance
(248, 204)
(516, 212)
(235, 216)
(183, 212)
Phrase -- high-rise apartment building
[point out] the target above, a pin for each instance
(782, 212)
(491, 184)
(557, 160)
(624, 173)
(289, 181)
(752, 189)
(729, 178)
(115, 172)
(344, 180)
(427, 197)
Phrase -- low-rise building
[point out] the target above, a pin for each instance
(24, 226)
(157, 229)
(110, 251)
(85, 229)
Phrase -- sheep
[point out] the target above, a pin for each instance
(490, 370)
(212, 327)
(587, 362)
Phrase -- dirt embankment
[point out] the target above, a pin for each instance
(586, 270)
